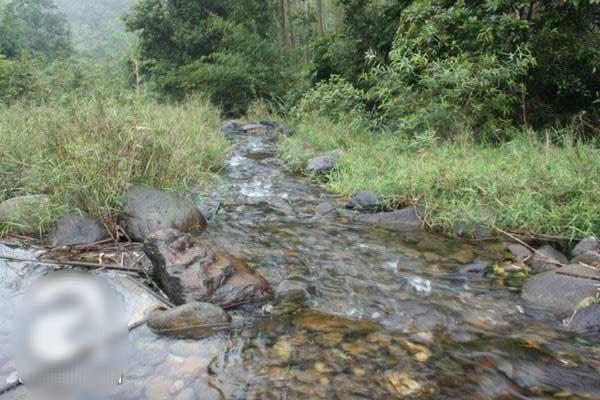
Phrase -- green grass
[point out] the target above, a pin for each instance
(527, 186)
(85, 152)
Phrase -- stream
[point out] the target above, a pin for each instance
(387, 315)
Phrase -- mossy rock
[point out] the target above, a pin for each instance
(25, 215)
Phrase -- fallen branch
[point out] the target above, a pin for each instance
(82, 264)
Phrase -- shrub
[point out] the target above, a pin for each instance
(86, 152)
(16, 80)
(336, 99)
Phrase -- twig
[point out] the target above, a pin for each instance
(544, 257)
(594, 278)
(71, 264)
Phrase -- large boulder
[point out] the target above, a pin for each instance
(25, 214)
(366, 202)
(586, 321)
(324, 163)
(189, 270)
(561, 293)
(77, 229)
(547, 258)
(148, 210)
(197, 320)
(587, 244)
(404, 220)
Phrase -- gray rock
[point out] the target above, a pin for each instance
(326, 208)
(77, 229)
(587, 244)
(25, 214)
(290, 291)
(586, 321)
(231, 128)
(189, 270)
(590, 258)
(560, 293)
(404, 220)
(366, 201)
(148, 210)
(197, 320)
(549, 259)
(324, 163)
(285, 129)
(269, 124)
(519, 252)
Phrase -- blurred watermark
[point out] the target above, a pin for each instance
(70, 337)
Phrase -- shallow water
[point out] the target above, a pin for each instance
(427, 330)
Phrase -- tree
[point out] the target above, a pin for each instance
(35, 26)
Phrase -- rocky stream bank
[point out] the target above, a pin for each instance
(301, 294)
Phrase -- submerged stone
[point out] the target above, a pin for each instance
(331, 323)
(195, 320)
(586, 321)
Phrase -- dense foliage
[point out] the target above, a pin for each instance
(215, 47)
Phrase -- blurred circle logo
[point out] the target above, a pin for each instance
(70, 338)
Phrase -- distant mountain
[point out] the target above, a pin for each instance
(97, 27)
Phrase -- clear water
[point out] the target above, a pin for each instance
(425, 329)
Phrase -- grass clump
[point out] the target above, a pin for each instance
(528, 185)
(84, 153)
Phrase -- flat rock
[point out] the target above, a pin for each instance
(24, 214)
(480, 268)
(148, 210)
(195, 320)
(400, 220)
(189, 271)
(549, 259)
(591, 258)
(77, 229)
(586, 321)
(587, 244)
(366, 202)
(560, 293)
(324, 163)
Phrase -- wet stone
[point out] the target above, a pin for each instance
(366, 202)
(586, 321)
(188, 271)
(197, 320)
(591, 258)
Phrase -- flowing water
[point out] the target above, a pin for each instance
(388, 314)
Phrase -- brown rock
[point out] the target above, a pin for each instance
(195, 320)
(189, 270)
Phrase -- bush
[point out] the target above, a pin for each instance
(86, 152)
(460, 65)
(16, 80)
(336, 99)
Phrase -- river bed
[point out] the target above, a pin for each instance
(424, 328)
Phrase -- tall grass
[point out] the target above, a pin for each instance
(85, 152)
(528, 185)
